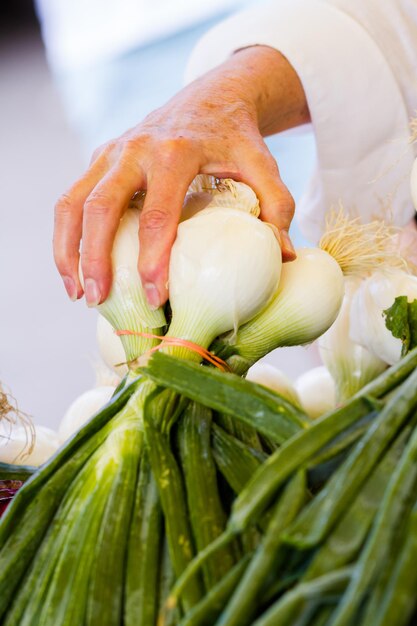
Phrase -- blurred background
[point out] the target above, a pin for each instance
(92, 75)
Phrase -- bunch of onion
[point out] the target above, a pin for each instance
(74, 515)
(72, 518)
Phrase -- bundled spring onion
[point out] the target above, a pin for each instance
(74, 522)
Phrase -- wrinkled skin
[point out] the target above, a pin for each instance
(215, 126)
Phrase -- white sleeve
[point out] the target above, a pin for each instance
(358, 110)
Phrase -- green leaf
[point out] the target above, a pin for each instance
(401, 320)
(269, 413)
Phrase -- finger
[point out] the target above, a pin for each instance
(159, 219)
(276, 202)
(68, 227)
(102, 212)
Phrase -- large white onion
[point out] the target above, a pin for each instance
(225, 266)
(308, 299)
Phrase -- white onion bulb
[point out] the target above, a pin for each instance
(225, 266)
(317, 391)
(126, 307)
(274, 379)
(15, 442)
(110, 346)
(308, 299)
(82, 410)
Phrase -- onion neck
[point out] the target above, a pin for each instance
(193, 328)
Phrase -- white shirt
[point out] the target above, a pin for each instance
(81, 33)
(357, 60)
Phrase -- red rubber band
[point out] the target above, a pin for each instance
(176, 341)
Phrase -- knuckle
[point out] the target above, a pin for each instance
(91, 261)
(64, 205)
(153, 218)
(97, 152)
(285, 204)
(149, 273)
(106, 154)
(98, 204)
(170, 149)
(135, 140)
(60, 261)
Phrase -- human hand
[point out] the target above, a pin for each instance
(213, 126)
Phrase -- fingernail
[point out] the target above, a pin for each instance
(69, 285)
(92, 292)
(286, 242)
(152, 295)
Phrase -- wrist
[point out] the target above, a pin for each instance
(272, 88)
